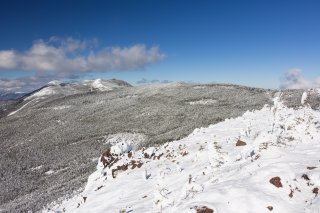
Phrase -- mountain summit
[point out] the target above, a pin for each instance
(58, 88)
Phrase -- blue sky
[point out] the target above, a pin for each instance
(247, 42)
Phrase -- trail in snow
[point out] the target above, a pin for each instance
(14, 112)
(264, 160)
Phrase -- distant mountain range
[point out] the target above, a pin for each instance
(61, 88)
(4, 96)
(58, 89)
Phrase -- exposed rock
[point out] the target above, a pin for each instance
(311, 167)
(135, 164)
(108, 159)
(270, 208)
(99, 188)
(146, 155)
(159, 156)
(304, 176)
(291, 193)
(139, 164)
(119, 168)
(241, 143)
(276, 181)
(202, 209)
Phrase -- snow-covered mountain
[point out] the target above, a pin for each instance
(58, 88)
(263, 161)
(105, 85)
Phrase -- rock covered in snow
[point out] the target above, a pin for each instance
(121, 148)
(304, 97)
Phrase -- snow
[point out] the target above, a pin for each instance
(97, 84)
(43, 92)
(61, 107)
(14, 112)
(57, 88)
(121, 148)
(36, 168)
(203, 102)
(208, 169)
(304, 97)
(199, 87)
(49, 172)
(54, 83)
(132, 139)
(101, 85)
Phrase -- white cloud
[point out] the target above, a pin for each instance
(10, 85)
(294, 80)
(23, 84)
(134, 57)
(8, 59)
(71, 56)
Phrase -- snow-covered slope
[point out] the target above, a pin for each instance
(60, 88)
(104, 85)
(266, 160)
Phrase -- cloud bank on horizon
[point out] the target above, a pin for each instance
(70, 59)
(293, 79)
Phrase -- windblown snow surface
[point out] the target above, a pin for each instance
(263, 161)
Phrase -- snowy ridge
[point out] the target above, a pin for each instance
(54, 83)
(14, 112)
(99, 85)
(266, 160)
(102, 85)
(63, 89)
(44, 92)
(53, 88)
